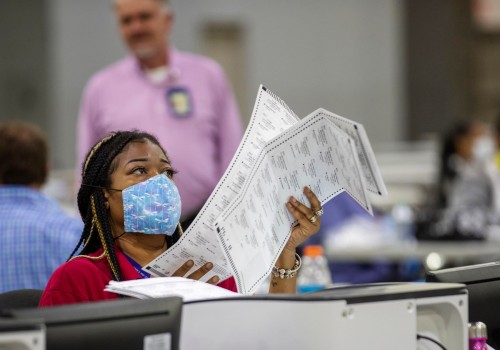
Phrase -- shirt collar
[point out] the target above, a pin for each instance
(174, 71)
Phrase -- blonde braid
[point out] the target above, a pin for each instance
(89, 257)
(103, 240)
(94, 149)
(92, 228)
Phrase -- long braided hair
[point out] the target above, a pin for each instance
(96, 175)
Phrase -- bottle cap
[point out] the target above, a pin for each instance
(313, 250)
(477, 330)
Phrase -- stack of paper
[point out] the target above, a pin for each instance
(161, 287)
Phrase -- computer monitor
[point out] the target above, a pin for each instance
(117, 324)
(483, 285)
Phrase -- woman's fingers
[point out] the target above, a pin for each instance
(181, 271)
(304, 214)
(313, 200)
(202, 271)
(196, 275)
(214, 280)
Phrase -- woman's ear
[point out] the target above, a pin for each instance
(105, 192)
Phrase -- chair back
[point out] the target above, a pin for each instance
(20, 299)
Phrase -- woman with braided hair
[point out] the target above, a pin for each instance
(121, 172)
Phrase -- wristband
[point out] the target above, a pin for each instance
(288, 273)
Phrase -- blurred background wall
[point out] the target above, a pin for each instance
(405, 69)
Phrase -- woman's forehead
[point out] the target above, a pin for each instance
(141, 150)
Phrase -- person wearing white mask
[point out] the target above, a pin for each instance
(466, 183)
(483, 148)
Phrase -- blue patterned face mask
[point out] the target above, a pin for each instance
(152, 206)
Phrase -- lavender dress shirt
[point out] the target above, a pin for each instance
(200, 143)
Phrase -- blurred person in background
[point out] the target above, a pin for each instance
(36, 235)
(184, 99)
(466, 150)
(466, 203)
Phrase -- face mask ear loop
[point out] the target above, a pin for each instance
(115, 238)
(181, 231)
(102, 188)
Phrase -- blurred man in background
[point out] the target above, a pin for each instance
(181, 98)
(36, 235)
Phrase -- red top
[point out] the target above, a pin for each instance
(83, 280)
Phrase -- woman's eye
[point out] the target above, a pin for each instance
(170, 172)
(139, 171)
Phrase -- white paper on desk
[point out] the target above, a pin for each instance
(270, 117)
(160, 287)
(255, 226)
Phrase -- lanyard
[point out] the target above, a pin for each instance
(138, 267)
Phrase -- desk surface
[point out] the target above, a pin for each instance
(456, 251)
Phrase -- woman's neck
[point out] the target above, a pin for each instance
(142, 247)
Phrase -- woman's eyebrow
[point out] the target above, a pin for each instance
(137, 160)
(145, 160)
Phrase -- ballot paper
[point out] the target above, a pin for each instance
(244, 225)
(270, 117)
(188, 289)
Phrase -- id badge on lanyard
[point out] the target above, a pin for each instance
(180, 102)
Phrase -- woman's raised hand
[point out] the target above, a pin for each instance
(308, 219)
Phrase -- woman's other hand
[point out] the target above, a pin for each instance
(196, 275)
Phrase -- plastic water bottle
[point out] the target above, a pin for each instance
(314, 273)
(477, 336)
(404, 226)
